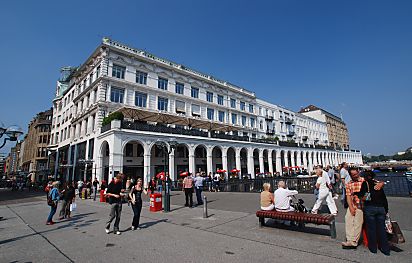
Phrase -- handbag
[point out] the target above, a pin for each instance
(50, 201)
(367, 196)
(397, 236)
(73, 207)
(388, 224)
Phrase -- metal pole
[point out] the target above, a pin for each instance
(167, 198)
(205, 207)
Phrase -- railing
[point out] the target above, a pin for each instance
(106, 127)
(302, 185)
(161, 129)
(289, 144)
(395, 185)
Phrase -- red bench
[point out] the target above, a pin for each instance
(318, 219)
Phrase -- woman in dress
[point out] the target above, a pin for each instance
(135, 196)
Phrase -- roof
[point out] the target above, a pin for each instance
(315, 108)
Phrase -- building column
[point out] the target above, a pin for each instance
(305, 160)
(238, 162)
(172, 172)
(285, 159)
(192, 165)
(86, 157)
(56, 164)
(270, 161)
(292, 159)
(146, 168)
(299, 159)
(74, 164)
(224, 161)
(250, 163)
(278, 163)
(261, 161)
(209, 160)
(310, 165)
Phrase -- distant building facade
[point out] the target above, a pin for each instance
(35, 152)
(13, 160)
(338, 134)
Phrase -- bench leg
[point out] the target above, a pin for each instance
(333, 230)
(261, 221)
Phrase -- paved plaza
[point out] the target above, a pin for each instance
(230, 234)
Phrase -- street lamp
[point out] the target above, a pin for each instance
(12, 133)
(86, 163)
(167, 150)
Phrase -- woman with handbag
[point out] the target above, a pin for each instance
(135, 197)
(375, 210)
(52, 200)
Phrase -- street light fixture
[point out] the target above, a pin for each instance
(12, 133)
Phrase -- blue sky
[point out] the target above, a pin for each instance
(353, 58)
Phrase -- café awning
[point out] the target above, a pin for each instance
(174, 118)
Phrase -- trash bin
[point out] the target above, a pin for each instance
(84, 193)
(102, 196)
(155, 202)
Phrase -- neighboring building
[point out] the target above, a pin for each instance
(337, 131)
(13, 161)
(2, 165)
(215, 124)
(35, 153)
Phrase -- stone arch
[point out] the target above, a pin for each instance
(200, 152)
(104, 161)
(133, 159)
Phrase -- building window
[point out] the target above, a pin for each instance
(210, 114)
(180, 106)
(141, 77)
(97, 72)
(195, 92)
(220, 99)
(233, 103)
(118, 71)
(242, 105)
(252, 122)
(91, 78)
(162, 103)
(251, 108)
(243, 120)
(162, 83)
(195, 110)
(116, 95)
(209, 96)
(221, 116)
(234, 118)
(179, 88)
(140, 99)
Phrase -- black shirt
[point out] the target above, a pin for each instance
(114, 188)
(378, 198)
(95, 183)
(137, 194)
(68, 194)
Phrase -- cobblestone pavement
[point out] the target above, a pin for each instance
(230, 234)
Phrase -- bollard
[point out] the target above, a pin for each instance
(204, 206)
(167, 198)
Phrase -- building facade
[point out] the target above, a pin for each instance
(338, 133)
(174, 119)
(13, 160)
(35, 159)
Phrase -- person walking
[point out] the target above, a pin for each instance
(52, 200)
(80, 184)
(216, 182)
(345, 178)
(324, 193)
(374, 210)
(114, 191)
(188, 189)
(68, 195)
(198, 188)
(135, 197)
(95, 185)
(152, 185)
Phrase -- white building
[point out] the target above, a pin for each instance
(214, 124)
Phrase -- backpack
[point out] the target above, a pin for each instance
(50, 201)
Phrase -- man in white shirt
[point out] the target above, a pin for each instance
(323, 186)
(282, 198)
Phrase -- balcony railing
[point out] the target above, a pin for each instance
(290, 134)
(142, 126)
(269, 117)
(288, 120)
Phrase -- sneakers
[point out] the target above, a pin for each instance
(107, 230)
(50, 223)
(132, 228)
(118, 232)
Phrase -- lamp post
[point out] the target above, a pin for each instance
(86, 163)
(12, 133)
(167, 150)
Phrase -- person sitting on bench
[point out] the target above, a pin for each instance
(266, 198)
(282, 198)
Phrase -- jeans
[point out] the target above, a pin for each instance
(137, 209)
(95, 193)
(115, 212)
(199, 195)
(375, 226)
(159, 188)
(53, 210)
(189, 196)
